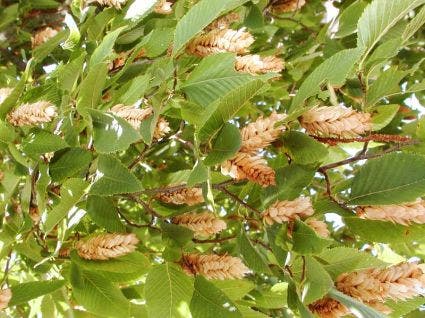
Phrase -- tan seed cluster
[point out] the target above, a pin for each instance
(219, 41)
(373, 287)
(404, 214)
(4, 93)
(109, 3)
(43, 36)
(284, 6)
(107, 246)
(135, 116)
(32, 114)
(286, 211)
(336, 121)
(254, 64)
(253, 168)
(261, 133)
(5, 297)
(163, 7)
(202, 224)
(214, 266)
(189, 196)
(319, 227)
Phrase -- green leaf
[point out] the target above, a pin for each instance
(69, 73)
(378, 18)
(71, 192)
(198, 174)
(114, 178)
(317, 281)
(104, 49)
(251, 256)
(334, 71)
(179, 234)
(363, 310)
(91, 88)
(97, 294)
(210, 302)
(390, 179)
(271, 298)
(168, 291)
(68, 163)
(349, 17)
(7, 133)
(414, 25)
(111, 133)
(306, 241)
(196, 19)
(386, 84)
(225, 108)
(304, 149)
(41, 141)
(104, 213)
(343, 259)
(225, 146)
(134, 90)
(383, 115)
(131, 263)
(42, 51)
(213, 78)
(402, 308)
(235, 289)
(22, 293)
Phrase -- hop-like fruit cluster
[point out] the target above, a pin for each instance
(189, 196)
(336, 121)
(373, 287)
(284, 6)
(404, 214)
(42, 36)
(163, 7)
(261, 133)
(32, 114)
(107, 246)
(109, 3)
(202, 224)
(253, 168)
(4, 93)
(5, 297)
(135, 116)
(219, 41)
(286, 211)
(214, 266)
(255, 64)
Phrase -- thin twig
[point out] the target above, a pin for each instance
(145, 205)
(217, 240)
(131, 223)
(237, 199)
(375, 137)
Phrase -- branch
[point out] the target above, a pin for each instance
(218, 240)
(374, 137)
(145, 205)
(237, 199)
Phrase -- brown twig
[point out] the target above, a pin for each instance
(375, 137)
(237, 199)
(145, 205)
(217, 240)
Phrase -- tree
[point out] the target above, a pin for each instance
(212, 158)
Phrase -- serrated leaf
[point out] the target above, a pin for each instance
(386, 84)
(210, 302)
(91, 88)
(179, 234)
(22, 293)
(198, 174)
(390, 179)
(306, 241)
(71, 192)
(235, 289)
(42, 51)
(168, 290)
(196, 19)
(383, 115)
(69, 162)
(225, 146)
(349, 17)
(343, 259)
(334, 71)
(225, 108)
(402, 308)
(111, 133)
(42, 141)
(114, 178)
(97, 294)
(304, 149)
(251, 256)
(104, 213)
(105, 47)
(317, 281)
(414, 25)
(7, 133)
(131, 263)
(213, 78)
(378, 18)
